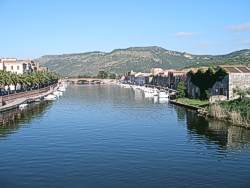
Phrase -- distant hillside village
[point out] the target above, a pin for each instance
(217, 83)
(19, 66)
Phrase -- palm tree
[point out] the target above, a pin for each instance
(32, 80)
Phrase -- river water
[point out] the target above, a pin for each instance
(107, 136)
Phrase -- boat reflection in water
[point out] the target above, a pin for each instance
(11, 121)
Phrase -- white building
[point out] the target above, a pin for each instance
(17, 66)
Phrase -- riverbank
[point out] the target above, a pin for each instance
(235, 112)
(194, 104)
(13, 101)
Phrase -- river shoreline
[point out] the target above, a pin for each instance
(26, 97)
(204, 112)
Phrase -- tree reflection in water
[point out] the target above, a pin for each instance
(11, 121)
(225, 135)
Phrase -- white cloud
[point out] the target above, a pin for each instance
(239, 27)
(184, 34)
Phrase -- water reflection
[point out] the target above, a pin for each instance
(11, 121)
(226, 136)
(222, 134)
(140, 143)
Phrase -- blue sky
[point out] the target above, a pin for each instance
(31, 28)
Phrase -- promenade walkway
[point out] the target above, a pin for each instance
(18, 101)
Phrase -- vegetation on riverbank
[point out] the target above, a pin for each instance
(192, 102)
(235, 111)
(27, 81)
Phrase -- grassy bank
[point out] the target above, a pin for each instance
(236, 111)
(192, 102)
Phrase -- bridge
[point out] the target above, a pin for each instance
(89, 81)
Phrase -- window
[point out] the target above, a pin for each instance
(11, 67)
(17, 67)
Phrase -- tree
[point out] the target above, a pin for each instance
(102, 74)
(112, 76)
(181, 89)
(28, 80)
(206, 79)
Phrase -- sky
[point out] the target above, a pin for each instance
(32, 28)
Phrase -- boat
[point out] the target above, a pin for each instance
(50, 97)
(126, 86)
(58, 93)
(155, 92)
(163, 94)
(148, 92)
(22, 106)
(38, 100)
(62, 89)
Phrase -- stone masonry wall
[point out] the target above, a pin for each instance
(241, 80)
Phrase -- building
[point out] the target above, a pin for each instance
(175, 77)
(237, 76)
(142, 78)
(156, 71)
(18, 66)
(169, 78)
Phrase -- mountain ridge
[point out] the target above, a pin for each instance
(142, 59)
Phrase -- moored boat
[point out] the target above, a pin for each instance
(163, 94)
(22, 106)
(50, 97)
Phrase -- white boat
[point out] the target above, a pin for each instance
(126, 86)
(38, 100)
(148, 92)
(138, 87)
(50, 97)
(58, 93)
(62, 89)
(155, 91)
(163, 94)
(22, 106)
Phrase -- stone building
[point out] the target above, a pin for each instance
(160, 78)
(175, 77)
(142, 78)
(238, 76)
(169, 78)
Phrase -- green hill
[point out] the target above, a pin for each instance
(135, 58)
